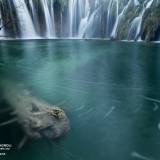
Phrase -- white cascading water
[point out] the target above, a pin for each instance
(90, 28)
(52, 17)
(117, 20)
(33, 11)
(73, 7)
(86, 22)
(1, 27)
(81, 9)
(108, 18)
(81, 18)
(122, 15)
(137, 22)
(25, 21)
(136, 2)
(84, 18)
(50, 32)
(34, 14)
(71, 11)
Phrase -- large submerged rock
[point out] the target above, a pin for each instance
(37, 118)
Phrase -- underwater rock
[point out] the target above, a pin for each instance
(38, 119)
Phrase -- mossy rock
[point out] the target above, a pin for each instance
(151, 24)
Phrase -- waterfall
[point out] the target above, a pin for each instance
(52, 18)
(81, 18)
(1, 27)
(90, 28)
(135, 28)
(118, 19)
(137, 22)
(136, 2)
(48, 19)
(34, 15)
(84, 19)
(71, 10)
(108, 18)
(24, 19)
(73, 7)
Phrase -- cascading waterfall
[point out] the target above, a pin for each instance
(49, 19)
(108, 17)
(1, 26)
(90, 26)
(137, 22)
(113, 34)
(84, 13)
(136, 2)
(71, 16)
(79, 17)
(83, 18)
(34, 15)
(119, 17)
(52, 18)
(26, 24)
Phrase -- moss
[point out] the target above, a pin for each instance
(151, 24)
(125, 24)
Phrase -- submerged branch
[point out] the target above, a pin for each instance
(8, 122)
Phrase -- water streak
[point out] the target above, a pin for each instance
(139, 156)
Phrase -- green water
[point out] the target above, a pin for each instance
(104, 87)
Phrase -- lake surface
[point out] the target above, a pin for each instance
(109, 90)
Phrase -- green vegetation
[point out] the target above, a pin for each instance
(151, 24)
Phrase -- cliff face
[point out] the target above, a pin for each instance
(112, 19)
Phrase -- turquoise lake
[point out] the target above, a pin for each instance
(109, 90)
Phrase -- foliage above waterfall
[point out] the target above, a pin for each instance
(115, 19)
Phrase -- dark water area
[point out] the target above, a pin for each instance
(109, 90)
